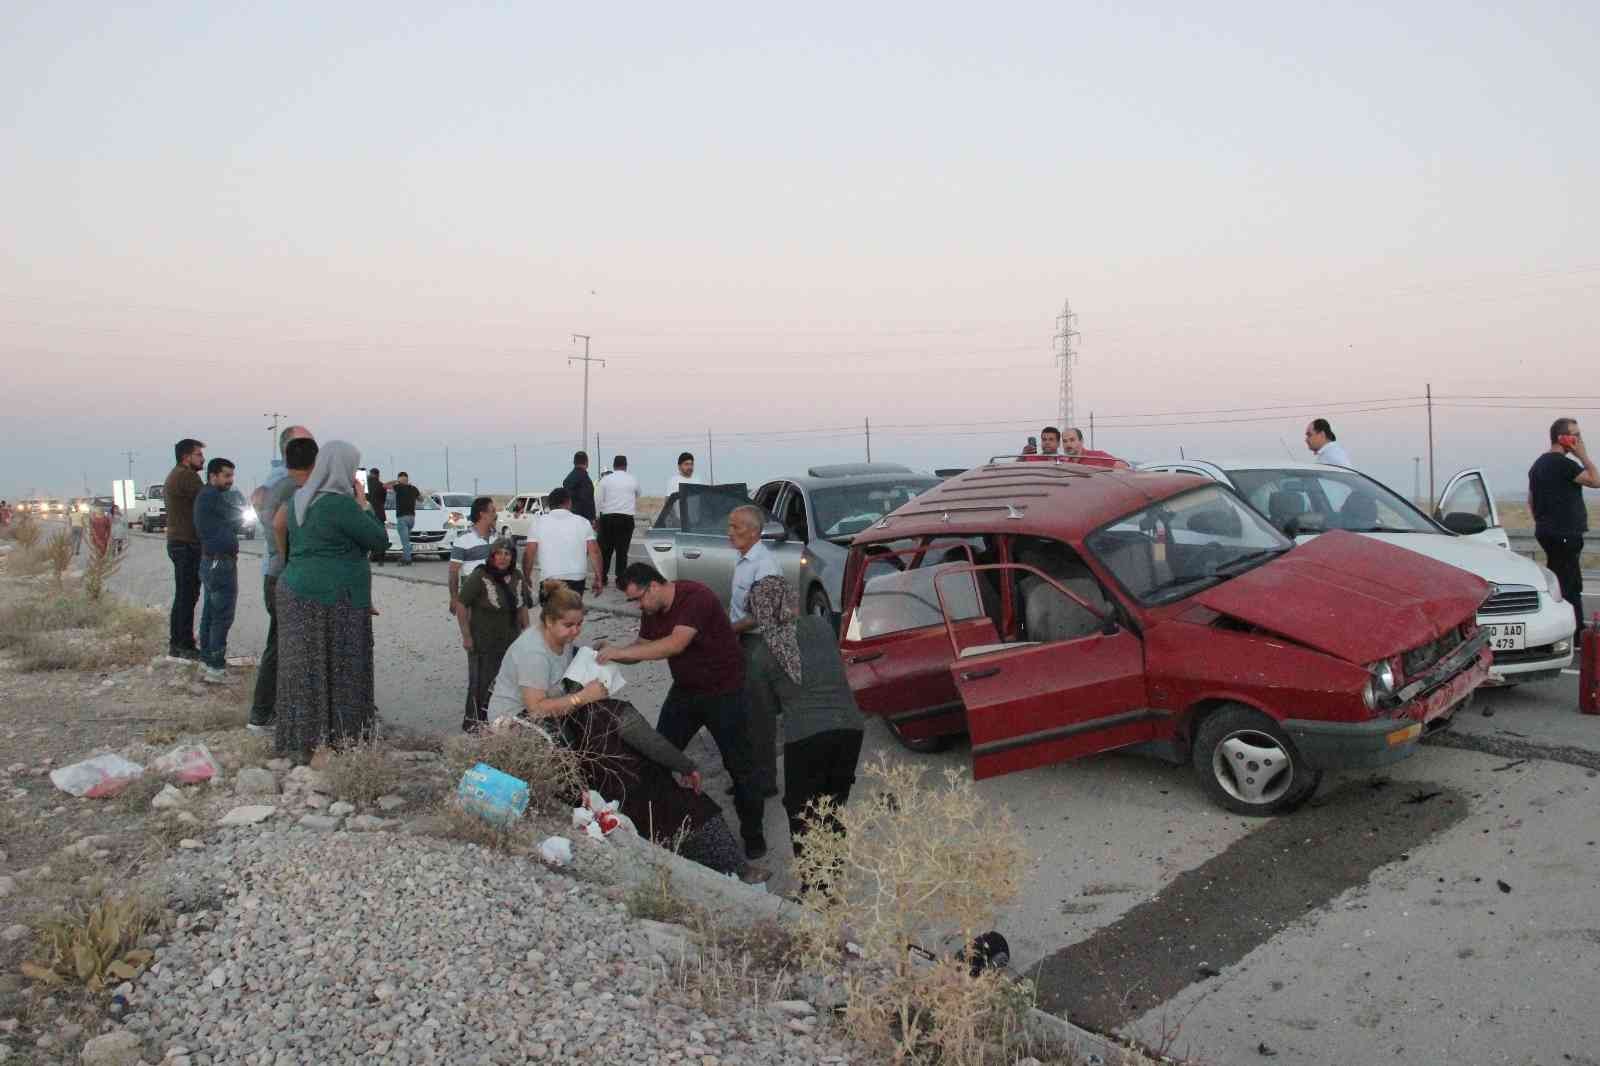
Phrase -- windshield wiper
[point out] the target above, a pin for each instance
(1234, 567)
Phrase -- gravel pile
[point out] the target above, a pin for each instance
(299, 946)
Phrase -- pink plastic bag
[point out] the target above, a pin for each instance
(187, 764)
(103, 775)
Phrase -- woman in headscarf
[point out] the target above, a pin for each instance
(795, 672)
(619, 754)
(324, 605)
(492, 619)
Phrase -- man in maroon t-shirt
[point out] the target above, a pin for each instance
(1074, 451)
(684, 623)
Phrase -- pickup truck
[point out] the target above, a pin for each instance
(155, 510)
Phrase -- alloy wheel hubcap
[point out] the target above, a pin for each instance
(1252, 767)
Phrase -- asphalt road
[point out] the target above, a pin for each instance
(1438, 911)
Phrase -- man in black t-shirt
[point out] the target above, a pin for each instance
(375, 496)
(405, 513)
(1555, 496)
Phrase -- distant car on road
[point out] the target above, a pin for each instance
(1530, 628)
(249, 521)
(810, 520)
(516, 521)
(155, 509)
(456, 505)
(433, 530)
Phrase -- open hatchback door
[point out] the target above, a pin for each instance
(1075, 687)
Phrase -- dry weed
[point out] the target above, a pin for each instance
(460, 824)
(102, 566)
(95, 944)
(62, 632)
(906, 864)
(58, 553)
(655, 899)
(554, 774)
(362, 773)
(25, 531)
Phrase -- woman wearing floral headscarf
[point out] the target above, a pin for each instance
(491, 621)
(795, 671)
(324, 606)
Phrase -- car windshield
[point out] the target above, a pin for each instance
(156, 492)
(848, 509)
(1299, 501)
(1192, 541)
(427, 503)
(457, 499)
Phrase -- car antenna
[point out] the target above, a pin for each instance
(1180, 452)
(1285, 444)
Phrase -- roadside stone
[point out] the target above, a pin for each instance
(14, 933)
(391, 802)
(310, 780)
(366, 823)
(320, 822)
(248, 815)
(317, 801)
(280, 765)
(217, 978)
(8, 885)
(120, 1048)
(255, 781)
(340, 809)
(190, 844)
(795, 1008)
(168, 798)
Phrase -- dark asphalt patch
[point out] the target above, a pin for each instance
(1212, 916)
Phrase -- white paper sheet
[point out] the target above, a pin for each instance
(585, 669)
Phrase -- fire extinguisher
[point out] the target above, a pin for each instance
(1589, 668)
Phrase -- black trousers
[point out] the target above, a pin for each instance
(615, 536)
(1561, 555)
(481, 671)
(185, 594)
(265, 702)
(823, 764)
(726, 717)
(763, 728)
(382, 553)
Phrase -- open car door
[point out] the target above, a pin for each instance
(1029, 703)
(1467, 496)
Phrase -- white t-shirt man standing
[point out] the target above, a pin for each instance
(562, 544)
(685, 473)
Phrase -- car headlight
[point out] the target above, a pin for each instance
(1552, 584)
(249, 516)
(1379, 688)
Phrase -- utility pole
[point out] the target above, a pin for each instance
(583, 441)
(711, 457)
(276, 417)
(1416, 478)
(129, 454)
(869, 439)
(474, 487)
(599, 456)
(1430, 447)
(516, 473)
(1066, 354)
(1091, 429)
(447, 468)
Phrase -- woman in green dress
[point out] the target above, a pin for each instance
(324, 604)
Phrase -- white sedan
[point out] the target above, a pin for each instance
(1530, 627)
(433, 530)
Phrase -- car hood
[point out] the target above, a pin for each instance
(1351, 596)
(1496, 565)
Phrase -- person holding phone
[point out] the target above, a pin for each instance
(1555, 496)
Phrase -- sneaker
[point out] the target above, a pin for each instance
(183, 653)
(269, 726)
(212, 675)
(755, 850)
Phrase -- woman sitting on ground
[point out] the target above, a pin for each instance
(795, 672)
(620, 755)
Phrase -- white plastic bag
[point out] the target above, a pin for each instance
(557, 851)
(188, 764)
(103, 775)
(599, 817)
(584, 669)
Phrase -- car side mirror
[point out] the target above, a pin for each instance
(1464, 523)
(774, 532)
(1109, 627)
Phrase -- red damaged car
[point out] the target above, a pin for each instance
(1057, 611)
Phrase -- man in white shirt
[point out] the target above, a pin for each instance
(685, 473)
(470, 550)
(1324, 445)
(756, 561)
(563, 545)
(617, 500)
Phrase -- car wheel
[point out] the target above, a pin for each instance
(817, 604)
(920, 745)
(1247, 764)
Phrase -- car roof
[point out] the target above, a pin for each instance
(810, 483)
(1038, 499)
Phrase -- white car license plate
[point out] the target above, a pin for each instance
(1508, 636)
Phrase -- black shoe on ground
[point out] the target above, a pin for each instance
(180, 652)
(755, 850)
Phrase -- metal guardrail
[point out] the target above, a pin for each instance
(1523, 542)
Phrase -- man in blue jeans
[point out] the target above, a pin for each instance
(216, 521)
(405, 513)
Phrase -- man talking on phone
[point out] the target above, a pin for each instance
(1555, 496)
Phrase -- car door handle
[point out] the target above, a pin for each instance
(661, 547)
(867, 658)
(977, 675)
(691, 555)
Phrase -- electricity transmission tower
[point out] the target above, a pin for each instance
(1066, 354)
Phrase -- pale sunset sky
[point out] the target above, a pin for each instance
(386, 220)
